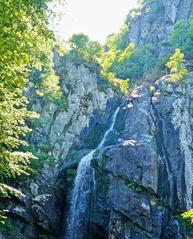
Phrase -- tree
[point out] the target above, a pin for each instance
(188, 215)
(177, 69)
(133, 63)
(118, 41)
(182, 36)
(124, 86)
(79, 41)
(127, 52)
(25, 44)
(82, 47)
(94, 50)
(188, 43)
(179, 33)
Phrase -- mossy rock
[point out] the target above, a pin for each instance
(102, 183)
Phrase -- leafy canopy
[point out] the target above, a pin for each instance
(82, 47)
(182, 36)
(25, 45)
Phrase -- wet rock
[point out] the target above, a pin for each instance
(143, 174)
(140, 179)
(172, 230)
(2, 237)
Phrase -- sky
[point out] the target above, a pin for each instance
(95, 18)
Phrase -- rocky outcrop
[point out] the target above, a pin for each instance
(42, 210)
(61, 127)
(156, 21)
(143, 175)
(144, 179)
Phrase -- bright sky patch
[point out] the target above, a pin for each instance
(96, 18)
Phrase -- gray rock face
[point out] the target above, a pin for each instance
(60, 131)
(63, 127)
(143, 174)
(145, 177)
(141, 179)
(156, 22)
(42, 210)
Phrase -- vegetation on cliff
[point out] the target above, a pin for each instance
(26, 49)
(25, 46)
(182, 36)
(175, 64)
(93, 54)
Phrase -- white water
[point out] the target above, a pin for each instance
(82, 189)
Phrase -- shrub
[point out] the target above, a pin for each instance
(134, 63)
(124, 86)
(179, 34)
(182, 36)
(82, 47)
(175, 64)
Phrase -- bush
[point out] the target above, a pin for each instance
(124, 86)
(182, 36)
(175, 64)
(135, 63)
(43, 158)
(178, 35)
(82, 47)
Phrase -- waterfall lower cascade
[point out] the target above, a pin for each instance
(82, 189)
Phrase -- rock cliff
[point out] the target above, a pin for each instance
(57, 129)
(156, 22)
(143, 173)
(144, 180)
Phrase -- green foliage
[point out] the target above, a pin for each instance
(188, 215)
(186, 220)
(25, 44)
(8, 230)
(39, 122)
(103, 82)
(175, 64)
(91, 51)
(127, 53)
(124, 86)
(91, 54)
(48, 86)
(79, 41)
(43, 157)
(62, 102)
(182, 36)
(143, 1)
(124, 61)
(108, 59)
(2, 218)
(136, 63)
(188, 44)
(82, 47)
(152, 89)
(118, 41)
(178, 34)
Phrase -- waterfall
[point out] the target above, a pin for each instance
(82, 188)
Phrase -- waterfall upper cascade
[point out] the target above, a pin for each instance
(82, 188)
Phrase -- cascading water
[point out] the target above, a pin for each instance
(82, 188)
